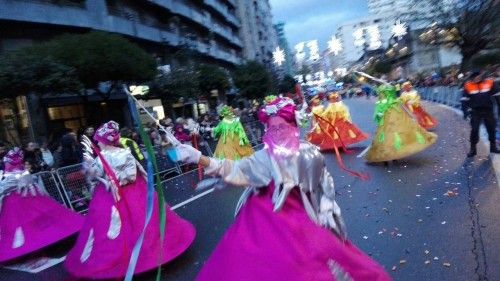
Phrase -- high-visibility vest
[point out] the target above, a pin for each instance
(479, 94)
(485, 86)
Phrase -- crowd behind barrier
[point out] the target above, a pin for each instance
(69, 186)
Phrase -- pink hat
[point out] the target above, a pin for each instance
(108, 133)
(278, 106)
(14, 160)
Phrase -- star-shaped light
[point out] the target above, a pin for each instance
(399, 29)
(334, 45)
(279, 56)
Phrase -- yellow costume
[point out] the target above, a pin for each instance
(411, 99)
(398, 135)
(233, 142)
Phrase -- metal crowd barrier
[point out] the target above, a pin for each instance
(442, 94)
(75, 186)
(50, 183)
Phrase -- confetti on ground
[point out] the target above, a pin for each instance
(365, 237)
(447, 264)
(427, 252)
(427, 262)
(443, 222)
(436, 258)
(402, 261)
(394, 268)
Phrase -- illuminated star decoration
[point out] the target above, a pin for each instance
(399, 29)
(279, 56)
(335, 45)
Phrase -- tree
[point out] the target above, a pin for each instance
(211, 77)
(71, 63)
(28, 70)
(253, 80)
(470, 25)
(287, 84)
(99, 57)
(181, 82)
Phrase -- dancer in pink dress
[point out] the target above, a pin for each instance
(289, 226)
(116, 218)
(29, 219)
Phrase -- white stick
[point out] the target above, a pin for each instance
(373, 78)
(363, 153)
(170, 137)
(192, 199)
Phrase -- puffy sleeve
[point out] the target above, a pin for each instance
(329, 212)
(252, 171)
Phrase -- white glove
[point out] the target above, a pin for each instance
(188, 154)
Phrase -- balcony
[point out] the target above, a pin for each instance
(81, 18)
(223, 11)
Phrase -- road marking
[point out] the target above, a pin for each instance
(205, 193)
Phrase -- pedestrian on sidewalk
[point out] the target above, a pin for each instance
(479, 92)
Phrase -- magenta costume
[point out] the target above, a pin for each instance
(288, 225)
(111, 228)
(29, 219)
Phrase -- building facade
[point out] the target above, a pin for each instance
(257, 30)
(377, 7)
(364, 34)
(208, 28)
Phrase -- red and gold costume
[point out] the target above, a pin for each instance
(334, 127)
(411, 100)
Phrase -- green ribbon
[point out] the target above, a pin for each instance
(159, 189)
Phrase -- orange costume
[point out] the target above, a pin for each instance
(335, 126)
(411, 101)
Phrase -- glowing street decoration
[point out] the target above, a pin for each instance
(399, 29)
(279, 56)
(300, 54)
(334, 45)
(313, 50)
(359, 40)
(374, 33)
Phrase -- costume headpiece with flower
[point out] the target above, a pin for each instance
(278, 106)
(108, 133)
(14, 160)
(226, 112)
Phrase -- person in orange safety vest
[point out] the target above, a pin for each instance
(479, 92)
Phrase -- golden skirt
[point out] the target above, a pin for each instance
(232, 149)
(398, 136)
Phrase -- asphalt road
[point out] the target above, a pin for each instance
(433, 216)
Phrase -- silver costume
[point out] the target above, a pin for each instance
(305, 171)
(121, 161)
